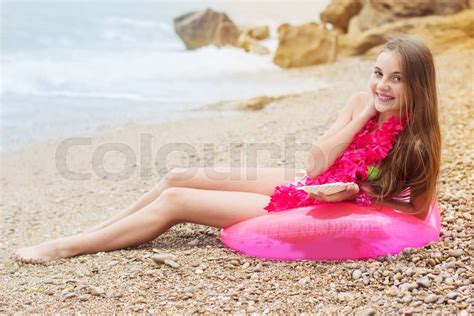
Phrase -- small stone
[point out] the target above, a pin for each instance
(80, 286)
(430, 298)
(406, 299)
(344, 296)
(245, 265)
(193, 242)
(304, 280)
(234, 262)
(141, 300)
(68, 295)
(366, 312)
(189, 289)
(393, 291)
(455, 253)
(452, 295)
(408, 286)
(172, 263)
(96, 291)
(409, 272)
(162, 257)
(424, 282)
(83, 297)
(356, 274)
(198, 271)
(449, 280)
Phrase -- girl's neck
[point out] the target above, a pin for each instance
(384, 116)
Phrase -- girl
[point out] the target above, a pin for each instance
(386, 140)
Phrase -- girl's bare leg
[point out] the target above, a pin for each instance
(175, 205)
(255, 180)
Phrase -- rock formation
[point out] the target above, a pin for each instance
(198, 29)
(304, 45)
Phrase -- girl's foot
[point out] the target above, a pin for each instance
(42, 253)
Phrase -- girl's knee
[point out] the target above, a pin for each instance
(167, 204)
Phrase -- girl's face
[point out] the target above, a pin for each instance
(386, 84)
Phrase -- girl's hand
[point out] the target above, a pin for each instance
(349, 193)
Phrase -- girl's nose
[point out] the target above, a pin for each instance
(382, 85)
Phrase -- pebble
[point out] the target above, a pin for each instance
(83, 297)
(430, 298)
(304, 280)
(408, 286)
(409, 272)
(366, 312)
(172, 263)
(49, 292)
(356, 274)
(162, 257)
(193, 242)
(68, 295)
(455, 253)
(424, 282)
(406, 299)
(96, 291)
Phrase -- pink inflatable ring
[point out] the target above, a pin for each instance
(334, 231)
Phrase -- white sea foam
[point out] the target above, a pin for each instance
(62, 72)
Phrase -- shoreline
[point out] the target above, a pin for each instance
(39, 203)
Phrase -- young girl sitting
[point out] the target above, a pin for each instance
(387, 141)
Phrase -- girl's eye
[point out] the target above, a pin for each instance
(378, 73)
(397, 78)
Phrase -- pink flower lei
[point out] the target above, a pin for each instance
(367, 149)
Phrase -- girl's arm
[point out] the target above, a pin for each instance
(333, 143)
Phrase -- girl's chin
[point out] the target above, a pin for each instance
(383, 107)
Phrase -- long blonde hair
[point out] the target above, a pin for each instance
(414, 160)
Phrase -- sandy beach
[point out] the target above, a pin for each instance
(41, 201)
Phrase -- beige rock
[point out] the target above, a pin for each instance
(377, 12)
(198, 29)
(252, 104)
(305, 45)
(339, 12)
(250, 45)
(440, 33)
(258, 32)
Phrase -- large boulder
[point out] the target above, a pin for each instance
(305, 45)
(339, 12)
(377, 12)
(440, 32)
(198, 29)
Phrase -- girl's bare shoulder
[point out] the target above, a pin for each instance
(359, 99)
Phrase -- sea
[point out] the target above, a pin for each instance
(76, 67)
